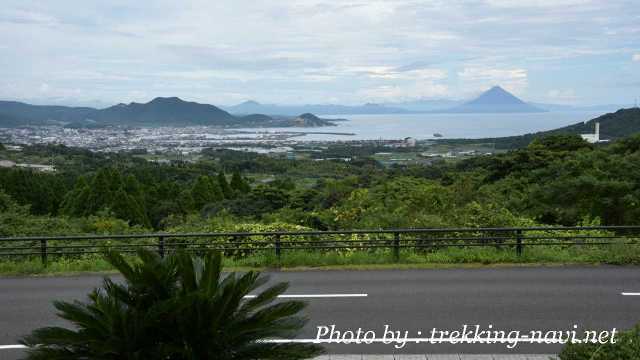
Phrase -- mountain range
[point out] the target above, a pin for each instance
(250, 107)
(161, 111)
(494, 100)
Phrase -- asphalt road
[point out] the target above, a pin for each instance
(548, 298)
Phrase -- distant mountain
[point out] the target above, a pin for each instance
(41, 114)
(169, 111)
(494, 100)
(161, 111)
(251, 107)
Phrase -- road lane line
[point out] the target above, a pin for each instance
(437, 340)
(315, 296)
(9, 347)
(631, 294)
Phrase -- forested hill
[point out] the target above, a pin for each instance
(164, 111)
(161, 111)
(619, 124)
(13, 113)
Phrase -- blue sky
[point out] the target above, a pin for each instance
(307, 51)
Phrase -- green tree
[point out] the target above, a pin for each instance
(238, 184)
(175, 308)
(227, 192)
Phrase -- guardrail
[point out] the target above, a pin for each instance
(243, 243)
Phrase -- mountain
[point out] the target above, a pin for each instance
(40, 114)
(163, 111)
(251, 107)
(494, 100)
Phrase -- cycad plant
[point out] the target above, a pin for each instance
(180, 307)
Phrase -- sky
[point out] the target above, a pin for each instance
(98, 53)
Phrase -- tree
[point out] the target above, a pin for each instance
(238, 184)
(224, 186)
(177, 308)
(205, 191)
(560, 142)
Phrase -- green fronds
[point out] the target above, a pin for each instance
(175, 308)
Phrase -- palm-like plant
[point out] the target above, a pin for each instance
(175, 308)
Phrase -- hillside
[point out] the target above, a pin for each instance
(161, 111)
(621, 123)
(41, 114)
(494, 100)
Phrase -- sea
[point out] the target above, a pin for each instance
(425, 126)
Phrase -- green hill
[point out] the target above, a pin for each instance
(621, 123)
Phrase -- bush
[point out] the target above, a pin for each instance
(179, 308)
(627, 346)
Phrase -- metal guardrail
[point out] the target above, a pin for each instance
(242, 243)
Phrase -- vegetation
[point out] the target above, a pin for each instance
(627, 346)
(555, 180)
(175, 308)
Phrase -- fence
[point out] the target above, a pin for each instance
(240, 244)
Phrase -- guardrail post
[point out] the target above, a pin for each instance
(161, 246)
(519, 242)
(396, 246)
(278, 247)
(43, 251)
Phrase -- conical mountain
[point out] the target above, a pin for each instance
(495, 100)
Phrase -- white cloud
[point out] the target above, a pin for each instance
(393, 73)
(313, 50)
(536, 3)
(418, 90)
(480, 78)
(567, 96)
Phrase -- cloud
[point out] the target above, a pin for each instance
(479, 78)
(567, 96)
(309, 51)
(536, 3)
(394, 73)
(19, 16)
(636, 57)
(397, 93)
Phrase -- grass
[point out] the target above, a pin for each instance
(361, 260)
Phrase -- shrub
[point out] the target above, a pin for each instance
(627, 346)
(175, 308)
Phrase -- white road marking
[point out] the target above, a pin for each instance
(302, 296)
(631, 294)
(437, 340)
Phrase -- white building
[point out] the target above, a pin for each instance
(593, 138)
(409, 142)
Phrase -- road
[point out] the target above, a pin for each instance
(515, 298)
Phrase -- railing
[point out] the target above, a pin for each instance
(242, 243)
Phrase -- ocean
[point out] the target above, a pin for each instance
(424, 126)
